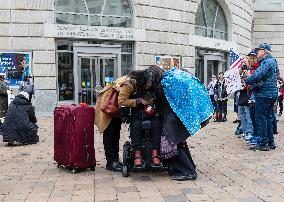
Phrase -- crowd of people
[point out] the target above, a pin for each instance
(256, 103)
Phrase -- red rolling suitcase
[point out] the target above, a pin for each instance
(74, 137)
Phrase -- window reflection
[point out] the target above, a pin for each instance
(210, 20)
(111, 13)
(72, 19)
(76, 6)
(65, 76)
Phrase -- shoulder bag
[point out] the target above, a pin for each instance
(110, 106)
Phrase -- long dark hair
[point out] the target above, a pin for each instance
(151, 76)
(138, 76)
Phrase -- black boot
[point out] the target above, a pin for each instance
(114, 166)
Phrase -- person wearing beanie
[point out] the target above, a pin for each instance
(19, 127)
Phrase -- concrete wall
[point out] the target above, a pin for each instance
(21, 29)
(168, 25)
(269, 27)
(242, 16)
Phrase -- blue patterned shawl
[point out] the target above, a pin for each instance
(188, 98)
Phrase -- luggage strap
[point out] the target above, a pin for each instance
(86, 145)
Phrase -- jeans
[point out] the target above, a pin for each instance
(136, 133)
(274, 122)
(252, 117)
(264, 120)
(280, 102)
(111, 138)
(246, 123)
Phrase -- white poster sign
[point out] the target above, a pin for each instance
(233, 80)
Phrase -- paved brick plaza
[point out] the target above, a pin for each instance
(228, 171)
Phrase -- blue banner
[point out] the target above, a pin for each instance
(16, 66)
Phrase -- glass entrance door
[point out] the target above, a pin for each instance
(95, 73)
(212, 69)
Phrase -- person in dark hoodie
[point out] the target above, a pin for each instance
(20, 126)
(221, 98)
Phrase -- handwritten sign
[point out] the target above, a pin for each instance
(15, 66)
(233, 80)
(92, 32)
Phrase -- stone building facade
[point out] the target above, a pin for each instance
(269, 27)
(78, 46)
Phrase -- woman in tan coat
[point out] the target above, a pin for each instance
(110, 127)
(128, 87)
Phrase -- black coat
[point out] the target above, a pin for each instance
(180, 163)
(20, 122)
(173, 128)
(220, 90)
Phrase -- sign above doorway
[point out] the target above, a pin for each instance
(93, 32)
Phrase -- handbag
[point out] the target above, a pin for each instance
(168, 149)
(110, 106)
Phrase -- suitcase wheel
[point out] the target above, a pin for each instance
(59, 166)
(125, 171)
(93, 168)
(74, 171)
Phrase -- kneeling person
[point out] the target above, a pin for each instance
(20, 123)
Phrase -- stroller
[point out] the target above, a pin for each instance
(128, 150)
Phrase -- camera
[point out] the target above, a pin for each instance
(251, 103)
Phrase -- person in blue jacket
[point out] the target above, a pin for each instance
(265, 78)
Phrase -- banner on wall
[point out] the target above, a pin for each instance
(15, 66)
(167, 62)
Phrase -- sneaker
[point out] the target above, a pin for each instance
(236, 121)
(272, 146)
(260, 148)
(248, 138)
(253, 140)
(238, 131)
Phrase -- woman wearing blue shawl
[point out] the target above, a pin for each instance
(185, 108)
